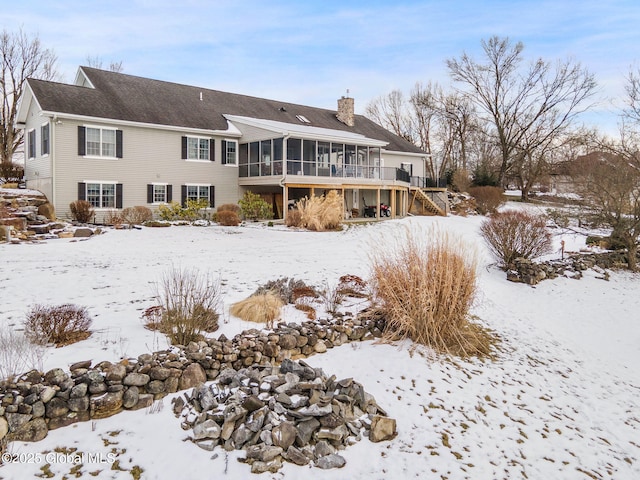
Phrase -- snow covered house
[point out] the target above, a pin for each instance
(119, 140)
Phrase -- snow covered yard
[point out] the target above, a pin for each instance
(559, 400)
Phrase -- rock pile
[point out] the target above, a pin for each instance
(34, 403)
(527, 271)
(292, 413)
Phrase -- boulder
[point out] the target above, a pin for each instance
(82, 233)
(57, 407)
(115, 372)
(4, 428)
(55, 376)
(32, 431)
(47, 210)
(284, 435)
(130, 397)
(192, 376)
(105, 405)
(136, 379)
(382, 428)
(331, 461)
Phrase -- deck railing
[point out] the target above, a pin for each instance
(315, 170)
(426, 182)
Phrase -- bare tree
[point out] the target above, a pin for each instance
(96, 62)
(438, 123)
(609, 182)
(22, 57)
(526, 106)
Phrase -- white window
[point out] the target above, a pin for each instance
(198, 192)
(101, 195)
(100, 142)
(197, 148)
(32, 143)
(159, 194)
(230, 152)
(44, 139)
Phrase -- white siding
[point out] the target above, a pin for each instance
(38, 170)
(149, 156)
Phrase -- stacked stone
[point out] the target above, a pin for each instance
(26, 216)
(291, 413)
(35, 403)
(527, 271)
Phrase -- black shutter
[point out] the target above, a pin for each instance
(82, 191)
(184, 148)
(212, 196)
(184, 195)
(82, 135)
(149, 193)
(212, 149)
(169, 193)
(118, 195)
(223, 149)
(118, 143)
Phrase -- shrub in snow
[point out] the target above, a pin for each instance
(113, 217)
(231, 207)
(170, 211)
(189, 304)
(228, 218)
(424, 286)
(60, 324)
(81, 211)
(488, 199)
(137, 215)
(514, 234)
(254, 207)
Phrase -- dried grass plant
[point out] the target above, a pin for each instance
(321, 213)
(259, 308)
(424, 284)
(18, 354)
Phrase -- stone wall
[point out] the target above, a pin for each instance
(527, 271)
(25, 216)
(35, 403)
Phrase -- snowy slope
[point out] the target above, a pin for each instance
(560, 400)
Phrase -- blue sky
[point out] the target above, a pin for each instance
(311, 52)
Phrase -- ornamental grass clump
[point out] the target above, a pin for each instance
(321, 213)
(260, 308)
(424, 285)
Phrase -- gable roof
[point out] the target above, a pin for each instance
(118, 96)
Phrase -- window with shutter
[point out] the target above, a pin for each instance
(198, 149)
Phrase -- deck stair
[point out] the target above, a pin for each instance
(428, 206)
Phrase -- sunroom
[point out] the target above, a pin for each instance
(289, 162)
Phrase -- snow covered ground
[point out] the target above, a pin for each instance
(561, 399)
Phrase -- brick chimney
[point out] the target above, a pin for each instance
(346, 111)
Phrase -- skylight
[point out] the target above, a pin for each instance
(303, 119)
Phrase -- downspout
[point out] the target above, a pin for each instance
(285, 197)
(52, 142)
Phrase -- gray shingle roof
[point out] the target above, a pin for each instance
(130, 98)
